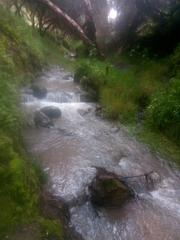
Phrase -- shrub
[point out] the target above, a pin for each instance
(163, 114)
(81, 71)
(116, 105)
(117, 90)
(92, 77)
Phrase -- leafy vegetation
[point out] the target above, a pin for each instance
(164, 111)
(22, 53)
(138, 90)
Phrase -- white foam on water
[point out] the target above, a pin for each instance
(72, 187)
(167, 197)
(62, 97)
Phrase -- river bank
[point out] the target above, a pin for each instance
(142, 93)
(22, 55)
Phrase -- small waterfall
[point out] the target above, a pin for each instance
(63, 97)
(26, 98)
(56, 97)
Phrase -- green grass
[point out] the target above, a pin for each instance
(22, 54)
(160, 143)
(51, 229)
(163, 113)
(129, 87)
(120, 91)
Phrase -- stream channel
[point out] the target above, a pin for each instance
(79, 142)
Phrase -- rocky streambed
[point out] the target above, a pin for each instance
(113, 187)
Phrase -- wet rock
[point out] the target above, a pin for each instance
(41, 120)
(85, 98)
(152, 179)
(108, 190)
(68, 77)
(114, 130)
(51, 112)
(119, 156)
(39, 91)
(84, 112)
(99, 111)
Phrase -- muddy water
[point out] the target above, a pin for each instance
(81, 141)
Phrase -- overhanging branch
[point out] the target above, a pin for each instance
(69, 21)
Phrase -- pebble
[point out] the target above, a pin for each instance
(46, 169)
(114, 130)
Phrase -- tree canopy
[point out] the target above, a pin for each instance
(146, 21)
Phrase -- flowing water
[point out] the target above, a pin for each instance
(79, 142)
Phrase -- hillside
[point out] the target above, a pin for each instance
(22, 54)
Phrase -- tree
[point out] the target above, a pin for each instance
(49, 15)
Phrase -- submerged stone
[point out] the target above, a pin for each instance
(114, 130)
(41, 120)
(39, 91)
(68, 77)
(51, 112)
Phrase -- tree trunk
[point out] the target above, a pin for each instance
(69, 21)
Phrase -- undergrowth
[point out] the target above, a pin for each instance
(22, 53)
(138, 91)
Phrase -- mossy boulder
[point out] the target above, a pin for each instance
(108, 190)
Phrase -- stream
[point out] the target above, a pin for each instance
(79, 142)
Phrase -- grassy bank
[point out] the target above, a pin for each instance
(22, 53)
(141, 92)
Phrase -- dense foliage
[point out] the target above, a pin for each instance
(164, 111)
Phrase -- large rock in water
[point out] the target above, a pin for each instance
(39, 91)
(51, 112)
(108, 190)
(41, 120)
